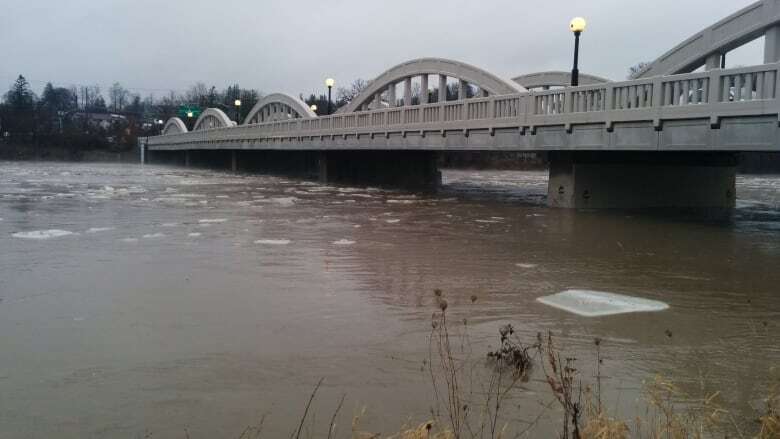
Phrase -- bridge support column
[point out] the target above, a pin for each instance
(234, 160)
(713, 61)
(187, 162)
(405, 169)
(638, 180)
(772, 45)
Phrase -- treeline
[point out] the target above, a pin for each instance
(85, 117)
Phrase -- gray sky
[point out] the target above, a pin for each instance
(292, 45)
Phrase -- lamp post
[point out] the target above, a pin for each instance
(577, 25)
(237, 103)
(189, 119)
(330, 82)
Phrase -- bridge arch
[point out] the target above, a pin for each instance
(278, 106)
(212, 118)
(174, 126)
(384, 84)
(555, 79)
(709, 47)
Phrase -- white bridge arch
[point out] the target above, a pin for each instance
(708, 47)
(212, 118)
(545, 80)
(174, 126)
(278, 106)
(371, 97)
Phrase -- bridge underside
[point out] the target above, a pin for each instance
(578, 179)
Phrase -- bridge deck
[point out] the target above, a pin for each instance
(730, 110)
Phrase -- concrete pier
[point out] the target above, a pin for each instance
(636, 180)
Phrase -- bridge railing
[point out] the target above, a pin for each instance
(706, 95)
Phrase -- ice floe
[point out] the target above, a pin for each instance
(99, 229)
(42, 234)
(525, 265)
(598, 303)
(273, 241)
(212, 220)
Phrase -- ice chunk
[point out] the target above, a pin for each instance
(99, 229)
(154, 235)
(273, 241)
(42, 234)
(193, 234)
(392, 221)
(343, 242)
(212, 220)
(597, 303)
(526, 266)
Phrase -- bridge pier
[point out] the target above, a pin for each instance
(637, 180)
(406, 169)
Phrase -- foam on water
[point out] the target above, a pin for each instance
(588, 303)
(343, 242)
(212, 220)
(42, 234)
(194, 234)
(153, 235)
(393, 221)
(273, 241)
(129, 239)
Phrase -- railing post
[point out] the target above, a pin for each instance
(424, 89)
(658, 92)
(442, 88)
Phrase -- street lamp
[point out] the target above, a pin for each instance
(313, 108)
(189, 118)
(577, 25)
(330, 82)
(237, 103)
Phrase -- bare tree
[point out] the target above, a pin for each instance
(345, 95)
(118, 96)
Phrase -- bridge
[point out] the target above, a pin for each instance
(666, 139)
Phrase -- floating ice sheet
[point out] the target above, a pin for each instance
(42, 234)
(597, 303)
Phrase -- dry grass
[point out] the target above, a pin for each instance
(463, 408)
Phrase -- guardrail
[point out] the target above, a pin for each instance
(745, 91)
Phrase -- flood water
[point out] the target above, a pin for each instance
(156, 300)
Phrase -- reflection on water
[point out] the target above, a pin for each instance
(202, 300)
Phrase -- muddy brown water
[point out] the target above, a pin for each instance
(204, 300)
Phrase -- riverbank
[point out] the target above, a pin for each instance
(16, 152)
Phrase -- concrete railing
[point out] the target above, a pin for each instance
(714, 94)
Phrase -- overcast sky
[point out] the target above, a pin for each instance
(151, 46)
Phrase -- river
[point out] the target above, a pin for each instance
(146, 301)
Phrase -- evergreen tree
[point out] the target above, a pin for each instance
(20, 97)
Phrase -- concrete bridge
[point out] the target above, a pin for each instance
(666, 139)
